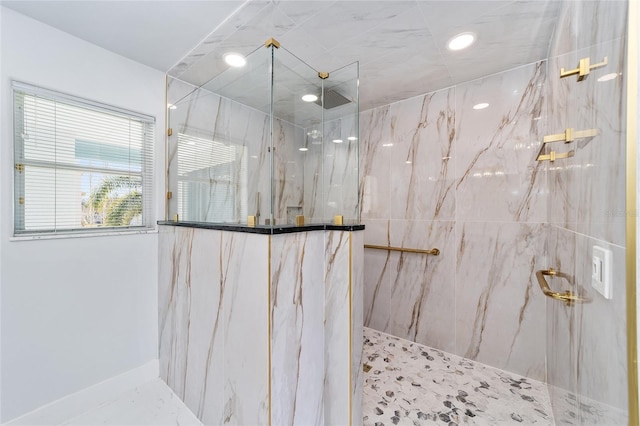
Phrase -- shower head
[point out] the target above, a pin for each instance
(332, 99)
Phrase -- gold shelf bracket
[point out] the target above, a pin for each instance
(433, 251)
(553, 156)
(567, 297)
(300, 220)
(251, 221)
(570, 135)
(338, 220)
(272, 42)
(584, 68)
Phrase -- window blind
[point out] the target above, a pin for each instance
(80, 165)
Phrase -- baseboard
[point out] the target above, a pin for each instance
(82, 401)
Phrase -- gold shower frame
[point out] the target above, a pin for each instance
(632, 212)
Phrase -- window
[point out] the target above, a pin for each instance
(80, 166)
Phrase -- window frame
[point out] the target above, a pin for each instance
(146, 174)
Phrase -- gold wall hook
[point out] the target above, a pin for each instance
(570, 135)
(553, 156)
(584, 67)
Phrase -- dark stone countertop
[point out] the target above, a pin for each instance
(265, 230)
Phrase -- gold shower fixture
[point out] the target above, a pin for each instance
(584, 68)
(553, 156)
(570, 135)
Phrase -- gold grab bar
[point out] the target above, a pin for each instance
(568, 297)
(433, 251)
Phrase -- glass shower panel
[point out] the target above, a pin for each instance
(340, 128)
(586, 342)
(249, 145)
(218, 150)
(293, 79)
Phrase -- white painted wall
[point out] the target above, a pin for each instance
(74, 311)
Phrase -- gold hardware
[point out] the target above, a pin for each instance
(366, 368)
(553, 156)
(272, 42)
(323, 75)
(169, 131)
(570, 135)
(338, 220)
(169, 195)
(251, 221)
(567, 297)
(175, 217)
(21, 200)
(267, 222)
(433, 251)
(20, 168)
(584, 67)
(299, 220)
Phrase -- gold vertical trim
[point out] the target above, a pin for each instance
(269, 321)
(631, 216)
(166, 145)
(350, 329)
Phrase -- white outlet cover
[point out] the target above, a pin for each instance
(601, 271)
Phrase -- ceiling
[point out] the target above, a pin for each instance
(400, 45)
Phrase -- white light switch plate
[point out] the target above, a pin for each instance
(601, 271)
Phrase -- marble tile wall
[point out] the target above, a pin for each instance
(438, 173)
(213, 323)
(586, 344)
(343, 306)
(298, 328)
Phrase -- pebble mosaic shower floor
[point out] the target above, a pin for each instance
(412, 384)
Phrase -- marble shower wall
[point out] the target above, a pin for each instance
(586, 343)
(438, 173)
(206, 306)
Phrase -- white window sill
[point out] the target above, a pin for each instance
(34, 237)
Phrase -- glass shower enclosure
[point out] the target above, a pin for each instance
(273, 142)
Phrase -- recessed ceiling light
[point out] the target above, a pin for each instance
(303, 149)
(608, 77)
(481, 105)
(461, 41)
(337, 141)
(171, 106)
(408, 162)
(387, 144)
(352, 138)
(235, 60)
(309, 98)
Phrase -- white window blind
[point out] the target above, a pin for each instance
(80, 166)
(212, 180)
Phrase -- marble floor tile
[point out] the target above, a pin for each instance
(412, 384)
(151, 404)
